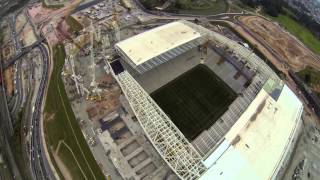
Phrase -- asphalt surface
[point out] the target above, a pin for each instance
(23, 52)
(39, 163)
(7, 130)
(15, 107)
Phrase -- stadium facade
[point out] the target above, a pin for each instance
(253, 139)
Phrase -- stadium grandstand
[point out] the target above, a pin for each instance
(253, 135)
(152, 48)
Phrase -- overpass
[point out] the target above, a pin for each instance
(24, 51)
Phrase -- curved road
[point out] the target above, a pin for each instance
(39, 163)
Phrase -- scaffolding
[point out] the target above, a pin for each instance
(167, 139)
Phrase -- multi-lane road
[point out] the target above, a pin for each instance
(39, 162)
(6, 130)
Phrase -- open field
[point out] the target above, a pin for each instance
(5, 172)
(60, 124)
(311, 77)
(74, 25)
(8, 76)
(194, 100)
(294, 54)
(52, 4)
(70, 162)
(203, 7)
(299, 31)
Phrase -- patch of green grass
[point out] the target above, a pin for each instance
(16, 146)
(310, 76)
(150, 4)
(70, 162)
(194, 100)
(5, 172)
(64, 125)
(201, 7)
(53, 5)
(74, 25)
(1, 36)
(243, 6)
(301, 32)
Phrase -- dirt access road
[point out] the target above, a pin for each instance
(289, 49)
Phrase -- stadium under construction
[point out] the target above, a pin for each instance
(210, 107)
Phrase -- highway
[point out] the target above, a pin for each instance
(24, 51)
(15, 102)
(39, 163)
(7, 130)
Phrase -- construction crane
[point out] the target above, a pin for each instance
(115, 22)
(76, 78)
(93, 84)
(105, 44)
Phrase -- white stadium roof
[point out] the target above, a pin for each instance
(145, 46)
(257, 143)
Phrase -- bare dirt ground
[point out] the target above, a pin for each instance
(7, 53)
(246, 35)
(51, 34)
(49, 116)
(292, 52)
(8, 75)
(20, 21)
(109, 103)
(39, 13)
(280, 64)
(6, 32)
(27, 35)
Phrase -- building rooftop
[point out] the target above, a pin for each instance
(256, 144)
(145, 46)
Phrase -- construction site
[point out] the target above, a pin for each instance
(186, 47)
(117, 91)
(295, 55)
(179, 110)
(104, 115)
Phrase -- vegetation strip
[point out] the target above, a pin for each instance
(60, 118)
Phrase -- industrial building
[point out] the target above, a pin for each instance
(254, 136)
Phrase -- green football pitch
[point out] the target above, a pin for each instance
(195, 100)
